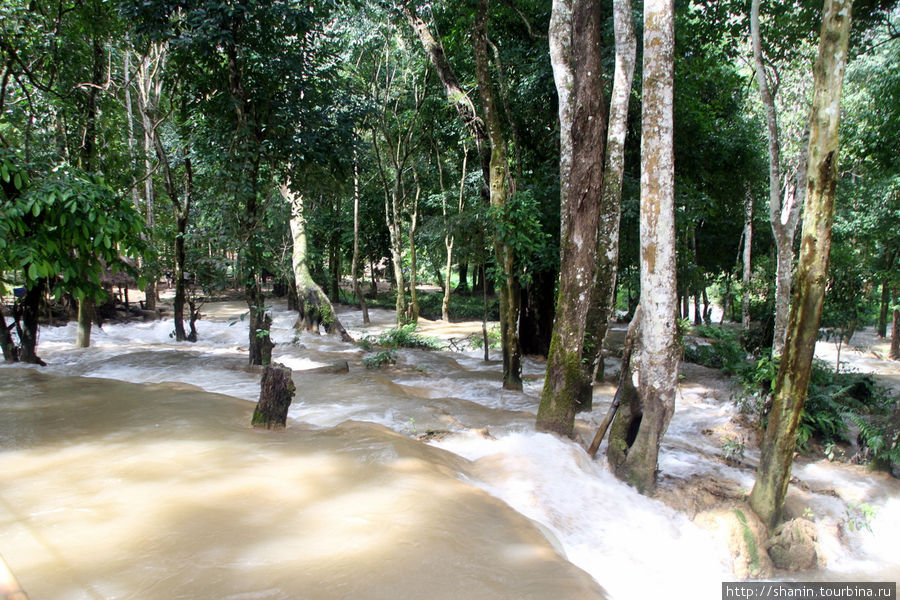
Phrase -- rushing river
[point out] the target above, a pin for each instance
(129, 470)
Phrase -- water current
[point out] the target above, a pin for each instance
(129, 470)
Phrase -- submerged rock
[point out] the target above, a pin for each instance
(793, 546)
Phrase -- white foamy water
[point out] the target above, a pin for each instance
(633, 546)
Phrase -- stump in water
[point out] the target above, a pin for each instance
(275, 394)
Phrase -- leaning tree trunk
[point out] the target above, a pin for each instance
(313, 305)
(658, 356)
(569, 376)
(790, 388)
(499, 190)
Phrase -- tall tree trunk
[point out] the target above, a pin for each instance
(313, 305)
(895, 334)
(747, 271)
(590, 242)
(354, 265)
(569, 379)
(790, 388)
(412, 314)
(462, 287)
(658, 356)
(560, 36)
(885, 306)
(784, 212)
(499, 189)
(10, 352)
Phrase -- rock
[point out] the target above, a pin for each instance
(793, 546)
(336, 368)
(745, 536)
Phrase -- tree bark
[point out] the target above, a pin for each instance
(314, 307)
(85, 321)
(658, 350)
(783, 213)
(895, 336)
(560, 36)
(569, 379)
(499, 189)
(790, 388)
(10, 352)
(276, 392)
(885, 306)
(748, 246)
(27, 323)
(354, 266)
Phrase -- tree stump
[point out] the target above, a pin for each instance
(275, 394)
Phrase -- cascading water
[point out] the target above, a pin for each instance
(167, 488)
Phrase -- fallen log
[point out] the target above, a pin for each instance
(624, 373)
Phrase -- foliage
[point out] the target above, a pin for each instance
(67, 227)
(733, 449)
(831, 400)
(404, 336)
(519, 228)
(859, 516)
(476, 341)
(381, 359)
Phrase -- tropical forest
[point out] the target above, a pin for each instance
(484, 299)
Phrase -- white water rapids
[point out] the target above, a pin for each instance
(129, 470)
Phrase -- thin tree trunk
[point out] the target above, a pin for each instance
(412, 315)
(895, 335)
(790, 388)
(658, 350)
(748, 246)
(885, 306)
(85, 321)
(354, 266)
(509, 288)
(560, 36)
(784, 212)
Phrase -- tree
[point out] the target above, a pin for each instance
(61, 231)
(498, 184)
(790, 387)
(590, 211)
(634, 455)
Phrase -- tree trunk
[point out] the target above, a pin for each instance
(85, 321)
(354, 265)
(560, 35)
(509, 288)
(10, 352)
(178, 304)
(568, 384)
(748, 246)
(658, 350)
(27, 323)
(790, 388)
(412, 311)
(604, 294)
(462, 286)
(895, 335)
(276, 392)
(313, 305)
(783, 213)
(885, 306)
